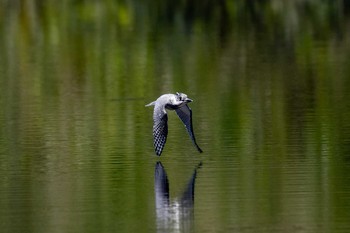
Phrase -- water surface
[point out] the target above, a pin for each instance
(271, 90)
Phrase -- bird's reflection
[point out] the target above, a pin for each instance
(175, 215)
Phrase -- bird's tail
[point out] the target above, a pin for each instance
(150, 104)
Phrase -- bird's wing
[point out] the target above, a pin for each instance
(160, 129)
(185, 114)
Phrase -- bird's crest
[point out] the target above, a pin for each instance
(181, 96)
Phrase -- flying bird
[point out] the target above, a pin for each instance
(177, 102)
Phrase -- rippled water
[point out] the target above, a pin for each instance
(271, 112)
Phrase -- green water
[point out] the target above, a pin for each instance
(270, 82)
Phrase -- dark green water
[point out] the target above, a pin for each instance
(270, 82)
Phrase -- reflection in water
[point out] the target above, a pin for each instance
(178, 214)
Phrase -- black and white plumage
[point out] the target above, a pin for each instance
(177, 102)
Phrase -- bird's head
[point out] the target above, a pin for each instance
(183, 97)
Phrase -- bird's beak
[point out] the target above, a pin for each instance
(188, 100)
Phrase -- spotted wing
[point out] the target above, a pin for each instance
(160, 130)
(185, 114)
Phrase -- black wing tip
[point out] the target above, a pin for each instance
(199, 150)
(158, 153)
(158, 150)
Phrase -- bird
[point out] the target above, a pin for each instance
(177, 102)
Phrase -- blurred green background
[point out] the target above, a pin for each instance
(271, 87)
